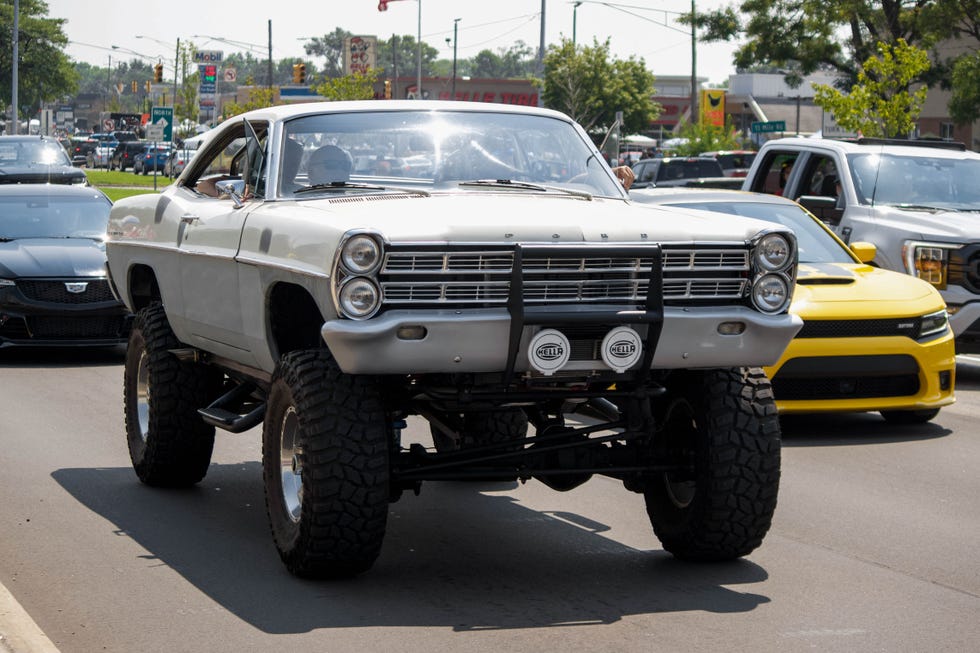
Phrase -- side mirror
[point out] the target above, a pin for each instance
(233, 189)
(864, 251)
(825, 208)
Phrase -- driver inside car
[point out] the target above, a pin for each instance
(328, 164)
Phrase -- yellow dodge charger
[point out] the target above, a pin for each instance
(872, 339)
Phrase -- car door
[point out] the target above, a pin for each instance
(208, 240)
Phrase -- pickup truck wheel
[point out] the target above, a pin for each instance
(909, 416)
(724, 424)
(169, 444)
(325, 466)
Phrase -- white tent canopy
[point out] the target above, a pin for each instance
(639, 140)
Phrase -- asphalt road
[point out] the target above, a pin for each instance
(873, 548)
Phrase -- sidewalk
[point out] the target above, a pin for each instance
(18, 632)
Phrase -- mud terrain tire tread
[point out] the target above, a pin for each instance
(344, 434)
(737, 469)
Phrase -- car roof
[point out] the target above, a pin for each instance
(25, 138)
(874, 145)
(282, 112)
(49, 190)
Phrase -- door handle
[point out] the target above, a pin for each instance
(187, 218)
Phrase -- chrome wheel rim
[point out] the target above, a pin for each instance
(143, 396)
(291, 465)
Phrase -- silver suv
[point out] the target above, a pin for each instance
(918, 202)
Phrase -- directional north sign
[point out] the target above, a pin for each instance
(771, 126)
(164, 117)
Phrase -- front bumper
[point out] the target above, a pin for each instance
(864, 374)
(480, 340)
(27, 321)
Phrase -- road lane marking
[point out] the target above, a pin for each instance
(18, 632)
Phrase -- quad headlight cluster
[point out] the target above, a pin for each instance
(774, 272)
(357, 293)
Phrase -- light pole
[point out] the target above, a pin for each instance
(455, 34)
(575, 6)
(383, 6)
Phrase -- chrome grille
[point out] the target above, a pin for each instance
(483, 277)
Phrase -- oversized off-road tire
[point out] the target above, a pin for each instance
(724, 423)
(325, 465)
(169, 444)
(483, 427)
(910, 416)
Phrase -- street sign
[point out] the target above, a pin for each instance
(164, 117)
(771, 126)
(154, 132)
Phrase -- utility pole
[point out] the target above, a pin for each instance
(13, 77)
(270, 54)
(455, 33)
(176, 65)
(695, 118)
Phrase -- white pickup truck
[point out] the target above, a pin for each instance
(328, 270)
(918, 202)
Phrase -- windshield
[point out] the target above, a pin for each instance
(939, 182)
(27, 153)
(815, 244)
(439, 150)
(40, 216)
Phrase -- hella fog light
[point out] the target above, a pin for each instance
(361, 255)
(933, 324)
(359, 298)
(770, 293)
(773, 252)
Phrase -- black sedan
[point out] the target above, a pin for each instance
(53, 285)
(36, 160)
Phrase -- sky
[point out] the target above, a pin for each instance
(638, 28)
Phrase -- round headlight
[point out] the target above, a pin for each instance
(773, 252)
(361, 255)
(359, 298)
(770, 293)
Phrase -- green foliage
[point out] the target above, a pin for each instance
(516, 62)
(117, 178)
(964, 107)
(586, 84)
(349, 87)
(881, 103)
(707, 138)
(44, 72)
(259, 97)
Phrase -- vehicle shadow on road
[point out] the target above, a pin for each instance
(835, 429)
(453, 557)
(15, 358)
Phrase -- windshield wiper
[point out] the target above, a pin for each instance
(916, 207)
(347, 185)
(524, 185)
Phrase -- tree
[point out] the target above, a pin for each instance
(964, 107)
(586, 84)
(349, 87)
(44, 72)
(799, 37)
(259, 97)
(707, 138)
(880, 104)
(517, 61)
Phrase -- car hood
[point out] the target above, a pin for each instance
(52, 257)
(41, 174)
(486, 216)
(933, 225)
(859, 291)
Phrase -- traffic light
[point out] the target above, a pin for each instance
(387, 89)
(158, 73)
(302, 73)
(147, 86)
(134, 86)
(295, 73)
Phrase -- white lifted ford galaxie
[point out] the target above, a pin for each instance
(328, 270)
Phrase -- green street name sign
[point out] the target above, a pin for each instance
(771, 126)
(163, 117)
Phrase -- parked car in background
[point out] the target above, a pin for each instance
(36, 160)
(681, 171)
(151, 159)
(177, 161)
(123, 157)
(872, 339)
(53, 285)
(100, 156)
(917, 201)
(734, 163)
